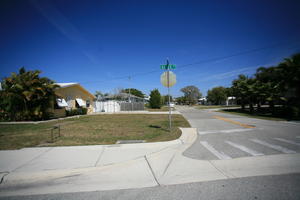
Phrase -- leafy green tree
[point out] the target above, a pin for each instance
(99, 95)
(155, 99)
(181, 100)
(217, 95)
(191, 94)
(244, 90)
(269, 83)
(26, 96)
(165, 99)
(276, 85)
(134, 92)
(290, 76)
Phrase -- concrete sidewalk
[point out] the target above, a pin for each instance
(73, 157)
(94, 168)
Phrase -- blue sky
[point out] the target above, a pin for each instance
(101, 43)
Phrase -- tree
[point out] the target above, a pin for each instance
(134, 92)
(290, 79)
(269, 84)
(26, 96)
(155, 99)
(276, 85)
(243, 89)
(165, 99)
(191, 94)
(181, 100)
(217, 95)
(99, 95)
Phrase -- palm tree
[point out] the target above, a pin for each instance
(26, 96)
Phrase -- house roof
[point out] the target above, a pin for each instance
(64, 85)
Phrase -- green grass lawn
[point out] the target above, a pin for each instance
(267, 116)
(92, 130)
(212, 106)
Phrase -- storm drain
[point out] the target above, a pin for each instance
(130, 141)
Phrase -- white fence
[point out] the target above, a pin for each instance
(115, 106)
(107, 106)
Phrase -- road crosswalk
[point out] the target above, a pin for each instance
(287, 141)
(218, 154)
(224, 154)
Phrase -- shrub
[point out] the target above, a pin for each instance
(155, 99)
(77, 111)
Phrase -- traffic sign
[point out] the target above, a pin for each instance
(168, 79)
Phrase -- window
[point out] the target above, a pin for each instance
(88, 103)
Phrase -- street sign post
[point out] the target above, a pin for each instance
(168, 79)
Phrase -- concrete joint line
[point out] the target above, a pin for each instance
(169, 163)
(99, 157)
(152, 171)
(222, 172)
(181, 141)
(32, 159)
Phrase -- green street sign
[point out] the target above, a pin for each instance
(165, 67)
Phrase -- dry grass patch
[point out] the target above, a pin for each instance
(91, 130)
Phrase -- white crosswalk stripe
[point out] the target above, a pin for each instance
(273, 146)
(224, 131)
(218, 154)
(287, 141)
(245, 149)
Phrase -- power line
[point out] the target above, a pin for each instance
(179, 67)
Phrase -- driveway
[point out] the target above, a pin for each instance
(225, 136)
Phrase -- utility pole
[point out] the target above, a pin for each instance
(129, 77)
(129, 89)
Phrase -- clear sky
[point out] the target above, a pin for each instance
(100, 43)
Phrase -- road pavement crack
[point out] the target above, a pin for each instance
(152, 171)
(32, 159)
(2, 178)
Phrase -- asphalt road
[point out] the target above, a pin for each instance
(226, 136)
(263, 187)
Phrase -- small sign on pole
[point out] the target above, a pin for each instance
(166, 67)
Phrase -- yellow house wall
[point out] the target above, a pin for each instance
(73, 92)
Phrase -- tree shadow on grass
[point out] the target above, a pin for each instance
(158, 127)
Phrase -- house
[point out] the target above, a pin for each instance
(72, 96)
(202, 101)
(231, 101)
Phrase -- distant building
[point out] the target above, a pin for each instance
(202, 101)
(231, 101)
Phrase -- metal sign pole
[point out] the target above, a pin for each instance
(168, 78)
